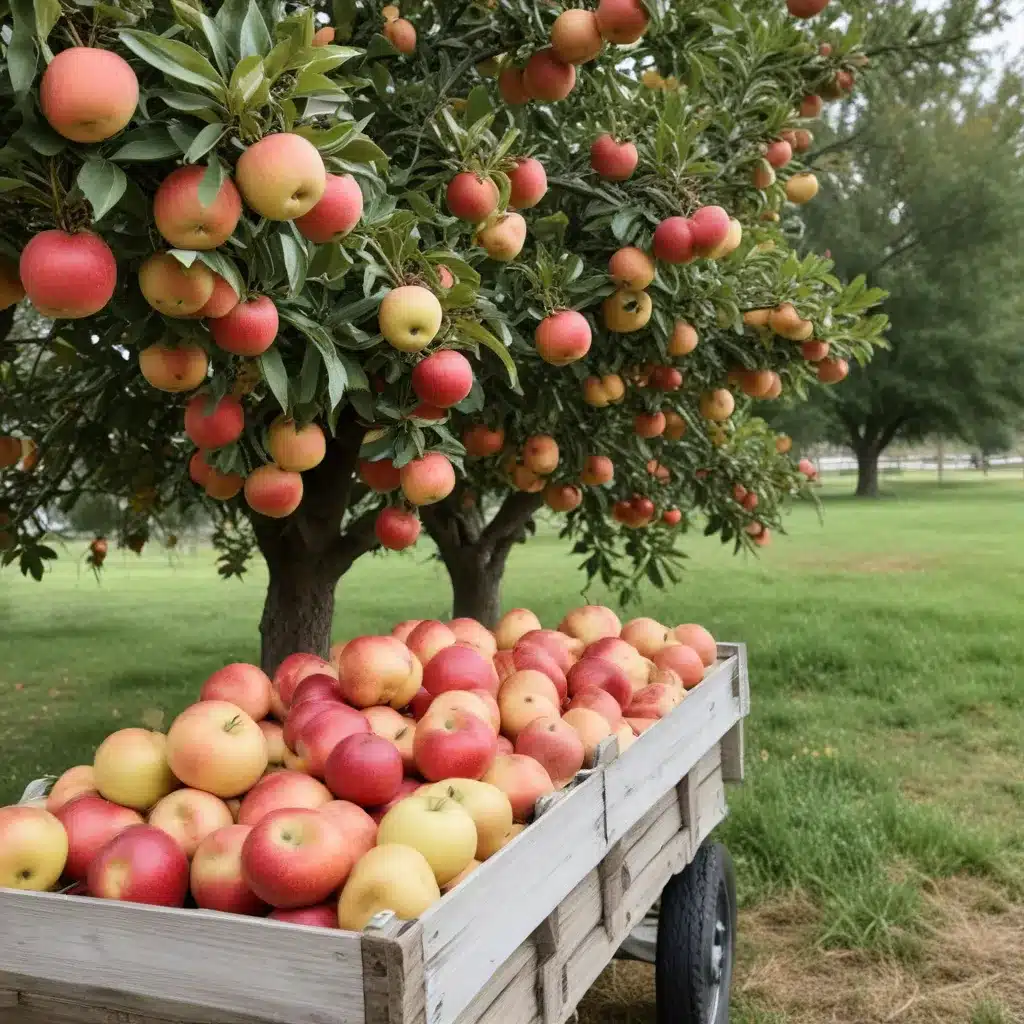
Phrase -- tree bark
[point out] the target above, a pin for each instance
(476, 584)
(867, 471)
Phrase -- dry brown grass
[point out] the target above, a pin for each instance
(972, 953)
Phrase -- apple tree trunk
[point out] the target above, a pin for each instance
(867, 471)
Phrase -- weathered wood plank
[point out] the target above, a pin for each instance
(653, 841)
(733, 754)
(245, 967)
(711, 807)
(519, 887)
(523, 962)
(664, 754)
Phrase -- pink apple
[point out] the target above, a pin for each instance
(601, 701)
(420, 704)
(455, 745)
(245, 686)
(530, 654)
(591, 622)
(274, 735)
(592, 728)
(216, 877)
(513, 625)
(504, 665)
(597, 673)
(523, 780)
(471, 632)
(188, 816)
(378, 670)
(564, 649)
(142, 864)
(322, 734)
(295, 858)
(655, 701)
(318, 686)
(91, 822)
(684, 661)
(282, 789)
(298, 716)
(429, 637)
(337, 212)
(459, 668)
(323, 915)
(364, 769)
(403, 629)
(647, 635)
(359, 829)
(294, 669)
(700, 640)
(634, 666)
(554, 744)
(476, 702)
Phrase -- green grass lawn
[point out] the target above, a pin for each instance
(886, 742)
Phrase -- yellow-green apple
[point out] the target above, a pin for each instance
(428, 637)
(697, 637)
(487, 805)
(359, 829)
(185, 221)
(188, 816)
(523, 780)
(563, 337)
(131, 768)
(213, 427)
(74, 782)
(68, 276)
(248, 329)
(647, 635)
(471, 197)
(320, 686)
(461, 876)
(613, 160)
(428, 479)
(476, 702)
(222, 299)
(576, 37)
(682, 660)
(597, 673)
(442, 379)
(323, 915)
(624, 736)
(717, 405)
(526, 694)
(295, 857)
(296, 448)
(595, 699)
(401, 34)
(282, 176)
(441, 829)
(90, 823)
(655, 701)
(297, 667)
(459, 668)
(547, 78)
(378, 670)
(513, 625)
(300, 715)
(244, 685)
(282, 789)
(590, 623)
(592, 728)
(673, 241)
(215, 746)
(319, 736)
(88, 94)
(457, 743)
(273, 492)
(364, 769)
(622, 21)
(476, 635)
(404, 629)
(174, 369)
(528, 654)
(625, 312)
(172, 288)
(631, 268)
(554, 744)
(802, 188)
(12, 291)
(216, 878)
(337, 212)
(142, 864)
(481, 441)
(529, 182)
(392, 877)
(33, 848)
(409, 788)
(503, 240)
(634, 666)
(409, 317)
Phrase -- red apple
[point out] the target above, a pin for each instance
(245, 686)
(249, 329)
(597, 673)
(471, 198)
(378, 670)
(68, 277)
(529, 182)
(358, 827)
(531, 654)
(323, 915)
(613, 160)
(320, 686)
(563, 337)
(459, 668)
(455, 745)
(336, 214)
(300, 715)
(282, 789)
(682, 660)
(91, 822)
(364, 769)
(601, 701)
(297, 667)
(188, 816)
(673, 240)
(443, 378)
(322, 734)
(469, 631)
(523, 780)
(555, 745)
(428, 637)
(216, 877)
(141, 865)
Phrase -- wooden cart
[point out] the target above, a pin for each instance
(519, 942)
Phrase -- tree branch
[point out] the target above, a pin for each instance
(930, 44)
(357, 540)
(890, 432)
(516, 510)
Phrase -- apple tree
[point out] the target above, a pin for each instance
(327, 269)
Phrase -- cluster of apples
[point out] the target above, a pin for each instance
(374, 781)
(785, 321)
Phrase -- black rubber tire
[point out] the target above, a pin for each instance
(690, 907)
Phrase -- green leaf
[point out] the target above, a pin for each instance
(47, 15)
(10, 184)
(478, 105)
(204, 142)
(477, 331)
(274, 373)
(102, 183)
(149, 143)
(173, 58)
(357, 379)
(246, 80)
(337, 379)
(220, 264)
(344, 18)
(212, 180)
(309, 374)
(217, 43)
(295, 261)
(22, 54)
(189, 102)
(254, 39)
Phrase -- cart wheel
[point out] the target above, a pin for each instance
(697, 940)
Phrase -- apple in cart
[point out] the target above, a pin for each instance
(592, 728)
(656, 701)
(488, 806)
(282, 789)
(529, 654)
(364, 769)
(601, 701)
(476, 702)
(396, 729)
(409, 788)
(441, 829)
(188, 816)
(469, 631)
(216, 878)
(90, 823)
(684, 661)
(33, 848)
(597, 673)
(323, 915)
(634, 666)
(321, 735)
(131, 768)
(142, 864)
(357, 825)
(74, 782)
(390, 877)
(648, 636)
(525, 696)
(556, 745)
(456, 743)
(699, 639)
(523, 780)
(294, 669)
(459, 668)
(590, 623)
(564, 649)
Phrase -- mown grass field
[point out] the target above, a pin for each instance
(880, 837)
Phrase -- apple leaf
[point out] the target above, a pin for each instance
(274, 373)
(102, 183)
(204, 142)
(254, 38)
(477, 332)
(174, 58)
(212, 181)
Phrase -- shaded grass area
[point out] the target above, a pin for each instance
(887, 733)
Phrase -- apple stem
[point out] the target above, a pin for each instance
(233, 724)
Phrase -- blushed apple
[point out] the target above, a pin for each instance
(682, 660)
(299, 716)
(700, 640)
(364, 769)
(457, 743)
(188, 816)
(513, 625)
(523, 780)
(187, 223)
(477, 702)
(273, 733)
(245, 686)
(282, 789)
(317, 687)
(476, 635)
(322, 915)
(601, 701)
(597, 673)
(459, 668)
(90, 823)
(142, 864)
(74, 782)
(282, 176)
(646, 635)
(216, 879)
(33, 848)
(88, 94)
(297, 667)
(634, 666)
(556, 745)
(378, 670)
(358, 827)
(524, 696)
(319, 736)
(592, 728)
(337, 212)
(409, 317)
(428, 637)
(590, 623)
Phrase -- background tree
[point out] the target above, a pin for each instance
(248, 94)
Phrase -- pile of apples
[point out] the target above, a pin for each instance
(378, 780)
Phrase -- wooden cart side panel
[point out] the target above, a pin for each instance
(668, 752)
(30, 1008)
(519, 887)
(519, 972)
(148, 960)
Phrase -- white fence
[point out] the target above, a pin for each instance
(847, 462)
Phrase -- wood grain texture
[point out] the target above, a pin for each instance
(248, 968)
(733, 754)
(519, 887)
(519, 969)
(666, 753)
